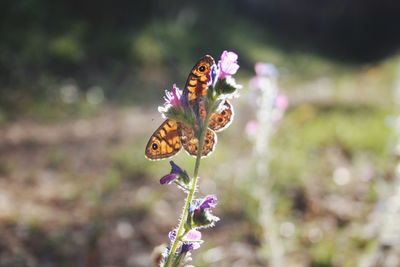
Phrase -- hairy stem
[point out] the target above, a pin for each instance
(180, 232)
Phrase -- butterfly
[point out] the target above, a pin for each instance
(172, 135)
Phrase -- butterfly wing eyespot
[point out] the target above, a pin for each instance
(165, 141)
(198, 80)
(219, 121)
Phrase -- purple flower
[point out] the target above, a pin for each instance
(172, 235)
(169, 178)
(214, 74)
(186, 247)
(208, 202)
(228, 64)
(200, 212)
(191, 241)
(176, 172)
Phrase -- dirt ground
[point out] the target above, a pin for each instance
(55, 209)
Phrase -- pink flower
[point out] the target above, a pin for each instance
(259, 83)
(228, 64)
(173, 97)
(193, 235)
(251, 128)
(265, 69)
(191, 241)
(281, 102)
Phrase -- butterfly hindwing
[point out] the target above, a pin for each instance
(165, 141)
(190, 143)
(221, 120)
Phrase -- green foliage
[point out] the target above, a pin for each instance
(354, 131)
(66, 48)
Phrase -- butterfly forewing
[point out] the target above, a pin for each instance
(198, 80)
(165, 141)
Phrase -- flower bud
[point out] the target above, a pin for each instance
(226, 86)
(200, 212)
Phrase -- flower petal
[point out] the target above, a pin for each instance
(228, 64)
(172, 99)
(186, 247)
(209, 201)
(175, 168)
(179, 171)
(193, 235)
(172, 235)
(169, 178)
(214, 74)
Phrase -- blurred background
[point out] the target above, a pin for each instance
(80, 82)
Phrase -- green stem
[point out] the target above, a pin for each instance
(192, 190)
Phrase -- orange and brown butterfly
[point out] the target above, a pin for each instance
(172, 135)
